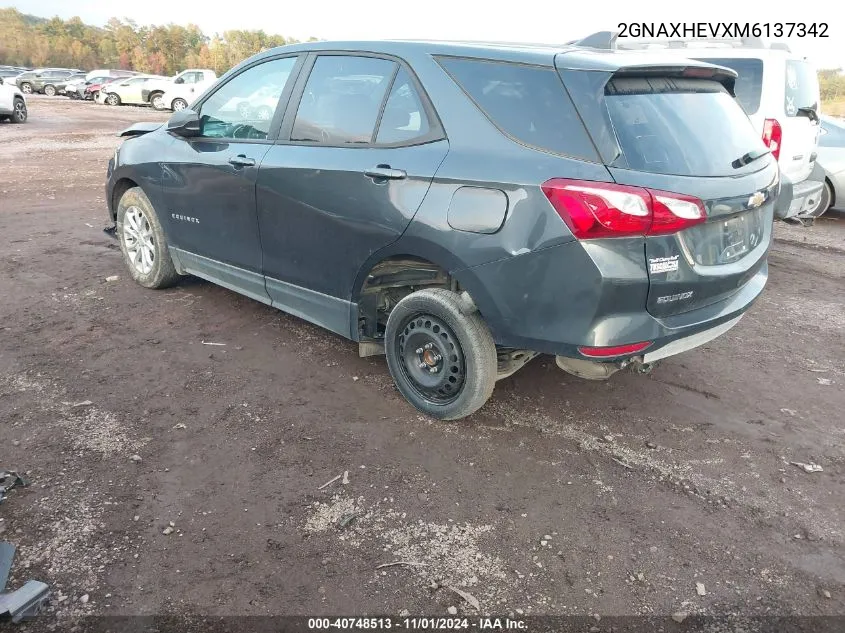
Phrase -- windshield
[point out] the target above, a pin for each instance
(802, 87)
(685, 127)
(749, 83)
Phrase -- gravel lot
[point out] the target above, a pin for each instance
(560, 496)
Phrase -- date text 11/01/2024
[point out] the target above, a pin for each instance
(417, 624)
(722, 29)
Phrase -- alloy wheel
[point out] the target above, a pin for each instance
(20, 111)
(139, 240)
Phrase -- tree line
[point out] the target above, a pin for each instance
(26, 40)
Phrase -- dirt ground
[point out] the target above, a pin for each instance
(560, 496)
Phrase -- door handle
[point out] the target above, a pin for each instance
(242, 161)
(385, 172)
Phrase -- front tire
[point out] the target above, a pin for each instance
(19, 113)
(442, 358)
(50, 90)
(142, 241)
(112, 99)
(26, 88)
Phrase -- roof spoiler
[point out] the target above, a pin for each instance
(609, 40)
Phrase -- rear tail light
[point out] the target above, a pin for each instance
(603, 209)
(610, 352)
(772, 136)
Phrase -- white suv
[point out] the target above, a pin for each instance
(12, 102)
(779, 91)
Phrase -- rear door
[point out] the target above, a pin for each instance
(689, 136)
(357, 152)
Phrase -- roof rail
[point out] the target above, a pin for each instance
(610, 40)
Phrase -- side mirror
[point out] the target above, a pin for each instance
(179, 80)
(184, 123)
(1, 81)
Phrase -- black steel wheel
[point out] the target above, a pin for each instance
(441, 356)
(432, 359)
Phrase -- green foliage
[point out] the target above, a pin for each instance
(27, 40)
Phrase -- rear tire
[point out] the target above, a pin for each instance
(178, 104)
(442, 358)
(142, 241)
(156, 101)
(19, 114)
(50, 90)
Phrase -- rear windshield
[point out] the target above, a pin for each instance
(527, 103)
(802, 87)
(749, 83)
(686, 127)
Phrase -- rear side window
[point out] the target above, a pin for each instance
(404, 119)
(749, 83)
(802, 87)
(686, 127)
(527, 103)
(342, 100)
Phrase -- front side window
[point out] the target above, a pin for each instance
(244, 106)
(342, 100)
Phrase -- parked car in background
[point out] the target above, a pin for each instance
(12, 102)
(109, 72)
(127, 90)
(82, 87)
(92, 90)
(9, 72)
(194, 80)
(832, 161)
(73, 81)
(463, 207)
(43, 80)
(779, 90)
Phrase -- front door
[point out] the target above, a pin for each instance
(359, 154)
(209, 181)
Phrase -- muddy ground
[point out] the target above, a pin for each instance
(560, 496)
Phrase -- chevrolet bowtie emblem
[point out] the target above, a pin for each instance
(756, 200)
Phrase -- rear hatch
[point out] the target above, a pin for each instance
(800, 130)
(676, 133)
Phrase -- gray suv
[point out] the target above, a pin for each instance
(462, 208)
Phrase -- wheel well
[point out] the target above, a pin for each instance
(122, 186)
(832, 191)
(388, 282)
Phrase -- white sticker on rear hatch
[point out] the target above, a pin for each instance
(663, 264)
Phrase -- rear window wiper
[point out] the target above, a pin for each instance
(809, 112)
(748, 158)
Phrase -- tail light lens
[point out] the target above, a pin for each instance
(772, 136)
(601, 209)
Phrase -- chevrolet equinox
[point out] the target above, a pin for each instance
(462, 207)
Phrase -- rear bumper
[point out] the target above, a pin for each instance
(554, 300)
(798, 199)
